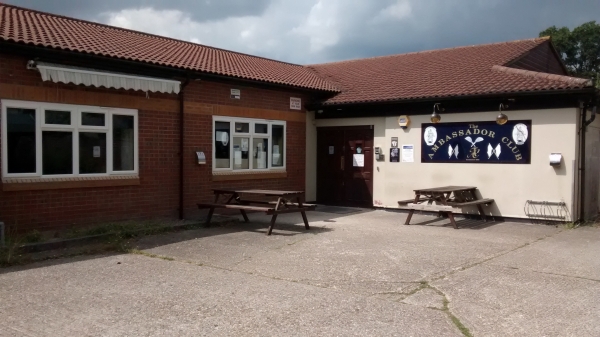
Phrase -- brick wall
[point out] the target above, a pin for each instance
(157, 194)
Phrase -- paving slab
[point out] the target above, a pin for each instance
(362, 273)
(427, 298)
(134, 295)
(572, 252)
(373, 252)
(501, 301)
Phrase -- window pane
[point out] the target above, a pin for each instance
(92, 119)
(123, 143)
(278, 150)
(222, 155)
(57, 152)
(92, 152)
(260, 128)
(242, 127)
(240, 153)
(260, 148)
(57, 117)
(20, 127)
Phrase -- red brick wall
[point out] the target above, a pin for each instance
(158, 192)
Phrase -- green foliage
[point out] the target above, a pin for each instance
(579, 48)
(33, 237)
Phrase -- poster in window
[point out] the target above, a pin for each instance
(222, 143)
(477, 142)
(358, 160)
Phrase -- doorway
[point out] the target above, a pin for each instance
(345, 166)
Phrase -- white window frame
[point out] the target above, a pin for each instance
(251, 135)
(75, 127)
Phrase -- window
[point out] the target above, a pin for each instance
(59, 140)
(241, 144)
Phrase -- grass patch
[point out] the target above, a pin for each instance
(575, 225)
(141, 252)
(118, 237)
(463, 329)
(446, 308)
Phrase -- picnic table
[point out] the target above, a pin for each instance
(447, 199)
(281, 202)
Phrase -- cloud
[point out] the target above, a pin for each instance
(321, 26)
(397, 11)
(169, 22)
(315, 31)
(276, 33)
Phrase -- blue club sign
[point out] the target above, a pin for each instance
(476, 142)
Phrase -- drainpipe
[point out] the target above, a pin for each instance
(584, 125)
(181, 144)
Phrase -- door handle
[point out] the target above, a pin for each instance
(342, 163)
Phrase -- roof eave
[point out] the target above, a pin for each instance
(585, 90)
(176, 71)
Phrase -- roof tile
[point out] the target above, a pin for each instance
(47, 30)
(472, 70)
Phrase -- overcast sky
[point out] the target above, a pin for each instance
(316, 31)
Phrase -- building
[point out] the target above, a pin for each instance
(466, 86)
(104, 124)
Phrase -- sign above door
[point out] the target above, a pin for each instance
(476, 142)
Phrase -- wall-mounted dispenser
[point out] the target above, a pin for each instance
(555, 159)
(379, 154)
(201, 158)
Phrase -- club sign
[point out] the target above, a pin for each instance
(476, 142)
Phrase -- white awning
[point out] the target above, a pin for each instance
(91, 77)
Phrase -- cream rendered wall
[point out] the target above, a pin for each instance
(511, 185)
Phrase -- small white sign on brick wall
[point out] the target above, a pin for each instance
(295, 103)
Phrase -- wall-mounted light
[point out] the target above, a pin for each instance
(435, 116)
(501, 119)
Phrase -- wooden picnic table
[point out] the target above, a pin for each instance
(282, 202)
(447, 199)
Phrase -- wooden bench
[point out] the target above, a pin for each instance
(463, 196)
(282, 205)
(408, 201)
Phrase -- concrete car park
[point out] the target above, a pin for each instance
(356, 272)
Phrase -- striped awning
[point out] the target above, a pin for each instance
(96, 78)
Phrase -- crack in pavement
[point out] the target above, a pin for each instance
(495, 256)
(463, 329)
(551, 273)
(424, 284)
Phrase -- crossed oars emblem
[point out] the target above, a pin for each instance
(468, 139)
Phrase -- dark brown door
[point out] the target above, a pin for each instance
(345, 166)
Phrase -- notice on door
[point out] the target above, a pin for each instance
(408, 153)
(358, 160)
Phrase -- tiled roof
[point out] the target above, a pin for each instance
(47, 30)
(462, 71)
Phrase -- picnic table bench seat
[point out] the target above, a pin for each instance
(471, 203)
(462, 196)
(273, 208)
(408, 201)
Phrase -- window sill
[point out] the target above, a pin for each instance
(229, 175)
(33, 184)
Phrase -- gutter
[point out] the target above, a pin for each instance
(181, 145)
(588, 90)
